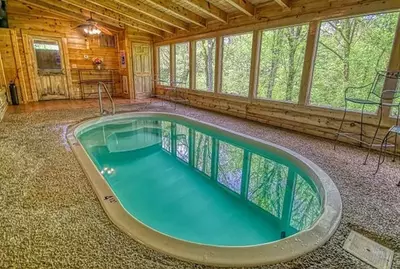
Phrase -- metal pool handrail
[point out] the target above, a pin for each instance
(109, 97)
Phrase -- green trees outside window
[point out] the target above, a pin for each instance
(203, 153)
(236, 64)
(267, 184)
(182, 73)
(306, 205)
(350, 51)
(281, 63)
(182, 142)
(205, 64)
(164, 65)
(230, 164)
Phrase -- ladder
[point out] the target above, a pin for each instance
(102, 110)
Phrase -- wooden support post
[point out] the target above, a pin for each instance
(29, 63)
(308, 66)
(394, 65)
(218, 64)
(244, 188)
(255, 64)
(192, 65)
(214, 158)
(172, 65)
(288, 202)
(173, 139)
(18, 64)
(191, 147)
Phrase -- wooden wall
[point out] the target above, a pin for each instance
(24, 19)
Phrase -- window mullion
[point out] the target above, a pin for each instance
(255, 64)
(309, 61)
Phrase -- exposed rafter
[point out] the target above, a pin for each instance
(283, 3)
(114, 16)
(54, 10)
(71, 12)
(154, 13)
(243, 5)
(132, 14)
(209, 9)
(178, 11)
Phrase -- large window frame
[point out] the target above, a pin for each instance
(307, 70)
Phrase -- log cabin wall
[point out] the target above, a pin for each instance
(300, 116)
(25, 19)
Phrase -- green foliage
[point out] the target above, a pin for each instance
(267, 184)
(230, 164)
(281, 63)
(205, 64)
(182, 142)
(203, 152)
(236, 64)
(182, 74)
(164, 65)
(306, 205)
(350, 51)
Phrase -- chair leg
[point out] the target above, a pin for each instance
(340, 127)
(395, 148)
(384, 142)
(374, 137)
(362, 125)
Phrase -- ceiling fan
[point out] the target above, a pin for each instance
(91, 27)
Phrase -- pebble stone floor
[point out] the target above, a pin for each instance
(51, 218)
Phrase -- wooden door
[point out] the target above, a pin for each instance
(50, 75)
(142, 69)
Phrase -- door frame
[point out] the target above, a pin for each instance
(27, 39)
(150, 43)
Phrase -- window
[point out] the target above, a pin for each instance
(230, 166)
(107, 41)
(306, 205)
(182, 142)
(166, 135)
(236, 63)
(164, 65)
(281, 63)
(205, 64)
(48, 56)
(182, 73)
(267, 184)
(349, 53)
(203, 152)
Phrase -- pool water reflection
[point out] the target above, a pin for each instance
(199, 186)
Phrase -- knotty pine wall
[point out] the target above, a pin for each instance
(23, 18)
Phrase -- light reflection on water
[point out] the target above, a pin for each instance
(262, 182)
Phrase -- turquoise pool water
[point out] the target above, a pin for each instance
(194, 184)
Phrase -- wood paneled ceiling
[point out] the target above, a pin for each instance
(156, 17)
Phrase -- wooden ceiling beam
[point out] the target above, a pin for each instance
(53, 9)
(154, 13)
(72, 12)
(179, 12)
(209, 9)
(113, 16)
(243, 5)
(283, 3)
(132, 14)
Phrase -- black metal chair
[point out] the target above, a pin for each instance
(383, 92)
(393, 131)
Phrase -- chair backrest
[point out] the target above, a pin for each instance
(386, 85)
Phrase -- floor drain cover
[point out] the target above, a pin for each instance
(369, 251)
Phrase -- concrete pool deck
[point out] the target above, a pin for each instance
(51, 218)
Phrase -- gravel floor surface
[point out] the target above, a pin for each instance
(50, 216)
